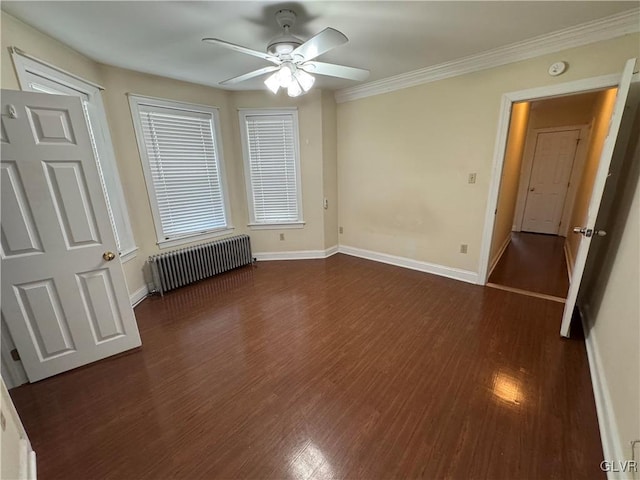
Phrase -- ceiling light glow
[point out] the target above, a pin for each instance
(295, 80)
(285, 75)
(294, 88)
(305, 80)
(273, 82)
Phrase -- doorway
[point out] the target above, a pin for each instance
(615, 133)
(553, 148)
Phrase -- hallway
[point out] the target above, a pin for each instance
(535, 263)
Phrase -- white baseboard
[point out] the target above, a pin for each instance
(609, 434)
(569, 259)
(332, 250)
(501, 251)
(441, 270)
(139, 295)
(296, 254)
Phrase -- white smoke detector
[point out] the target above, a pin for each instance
(557, 68)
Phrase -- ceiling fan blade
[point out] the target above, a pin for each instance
(241, 49)
(322, 42)
(247, 76)
(333, 70)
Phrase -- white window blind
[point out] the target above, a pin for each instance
(183, 169)
(272, 162)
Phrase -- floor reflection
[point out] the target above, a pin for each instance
(308, 461)
(507, 388)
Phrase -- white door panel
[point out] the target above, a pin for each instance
(548, 184)
(611, 144)
(64, 304)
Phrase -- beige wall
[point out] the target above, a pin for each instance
(563, 111)
(599, 129)
(330, 168)
(510, 179)
(616, 331)
(404, 156)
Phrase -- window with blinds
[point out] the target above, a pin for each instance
(272, 166)
(181, 159)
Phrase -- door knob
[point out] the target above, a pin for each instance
(108, 256)
(588, 232)
(532, 189)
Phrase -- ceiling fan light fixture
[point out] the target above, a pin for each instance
(294, 88)
(289, 54)
(273, 82)
(305, 80)
(285, 74)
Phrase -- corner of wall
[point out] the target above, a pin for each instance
(329, 169)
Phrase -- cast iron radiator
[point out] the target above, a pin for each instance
(187, 265)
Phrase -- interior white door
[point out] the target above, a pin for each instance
(64, 296)
(596, 196)
(553, 159)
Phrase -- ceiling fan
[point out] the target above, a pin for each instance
(293, 58)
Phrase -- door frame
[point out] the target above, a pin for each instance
(504, 118)
(527, 165)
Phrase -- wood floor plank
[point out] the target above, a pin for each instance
(533, 262)
(336, 368)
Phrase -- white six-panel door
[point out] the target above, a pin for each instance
(550, 172)
(65, 303)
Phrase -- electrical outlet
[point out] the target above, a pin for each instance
(325, 203)
(472, 178)
(463, 247)
(340, 230)
(282, 236)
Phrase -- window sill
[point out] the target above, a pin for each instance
(275, 226)
(176, 242)
(129, 255)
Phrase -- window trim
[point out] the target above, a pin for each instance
(26, 66)
(243, 114)
(135, 101)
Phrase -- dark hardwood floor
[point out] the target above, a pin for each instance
(336, 368)
(533, 262)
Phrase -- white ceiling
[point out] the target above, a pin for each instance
(388, 38)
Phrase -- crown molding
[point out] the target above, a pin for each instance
(583, 34)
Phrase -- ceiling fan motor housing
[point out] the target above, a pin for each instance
(286, 43)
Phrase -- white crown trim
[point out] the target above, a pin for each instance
(583, 34)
